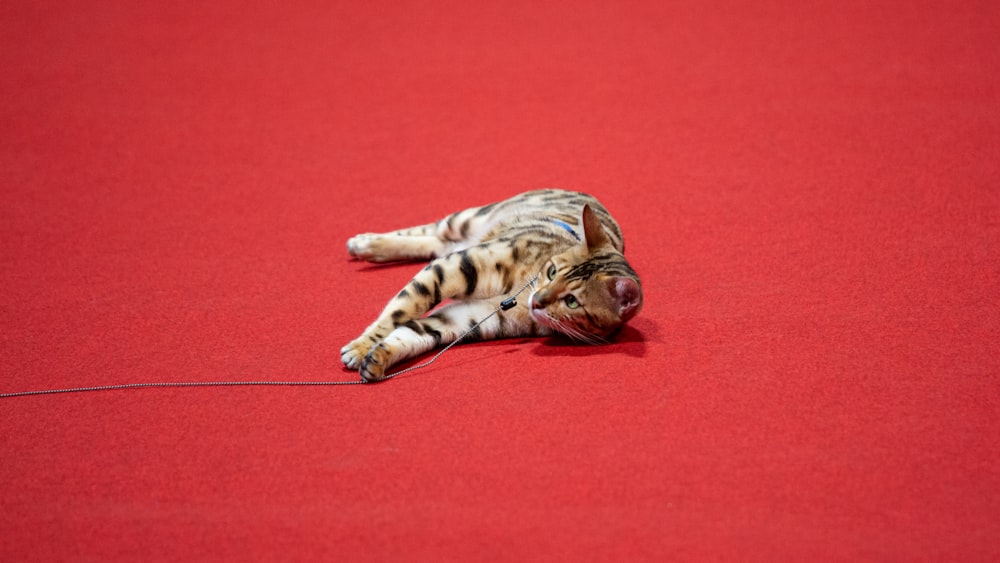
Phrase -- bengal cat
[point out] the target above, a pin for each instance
(568, 241)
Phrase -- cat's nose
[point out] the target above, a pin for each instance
(537, 303)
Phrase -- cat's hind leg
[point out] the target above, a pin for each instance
(454, 232)
(416, 243)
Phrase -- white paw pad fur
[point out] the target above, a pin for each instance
(353, 355)
(362, 246)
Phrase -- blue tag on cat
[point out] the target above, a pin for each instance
(566, 226)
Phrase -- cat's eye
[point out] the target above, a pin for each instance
(552, 272)
(571, 302)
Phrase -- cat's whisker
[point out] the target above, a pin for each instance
(577, 334)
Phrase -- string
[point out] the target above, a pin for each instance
(506, 304)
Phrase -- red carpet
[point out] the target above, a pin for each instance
(811, 194)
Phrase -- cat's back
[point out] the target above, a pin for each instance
(549, 210)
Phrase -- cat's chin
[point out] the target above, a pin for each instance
(539, 316)
(543, 320)
(566, 329)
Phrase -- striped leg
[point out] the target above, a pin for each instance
(454, 232)
(418, 336)
(480, 272)
(416, 243)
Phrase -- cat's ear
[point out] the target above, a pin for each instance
(627, 296)
(593, 231)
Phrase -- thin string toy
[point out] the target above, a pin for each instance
(505, 305)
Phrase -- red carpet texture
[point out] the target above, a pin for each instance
(810, 191)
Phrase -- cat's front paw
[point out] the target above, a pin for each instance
(375, 363)
(353, 355)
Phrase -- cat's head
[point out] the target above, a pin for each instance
(589, 291)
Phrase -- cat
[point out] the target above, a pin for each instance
(567, 241)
